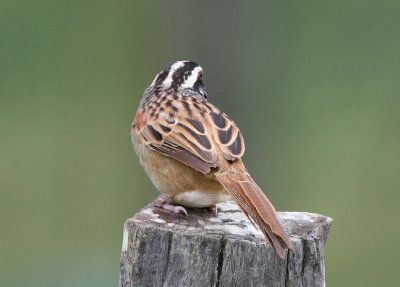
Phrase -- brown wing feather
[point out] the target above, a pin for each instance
(186, 157)
(227, 135)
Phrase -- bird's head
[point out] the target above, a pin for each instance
(181, 76)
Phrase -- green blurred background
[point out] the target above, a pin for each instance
(314, 86)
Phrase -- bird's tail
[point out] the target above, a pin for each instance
(239, 184)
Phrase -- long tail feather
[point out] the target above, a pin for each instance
(239, 184)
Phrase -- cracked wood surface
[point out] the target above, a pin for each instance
(206, 249)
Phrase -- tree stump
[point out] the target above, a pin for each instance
(207, 249)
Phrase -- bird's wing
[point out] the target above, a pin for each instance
(193, 132)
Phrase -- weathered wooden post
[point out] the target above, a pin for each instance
(224, 249)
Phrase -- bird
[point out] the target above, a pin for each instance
(191, 151)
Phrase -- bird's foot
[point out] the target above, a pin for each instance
(164, 202)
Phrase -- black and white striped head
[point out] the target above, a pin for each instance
(180, 76)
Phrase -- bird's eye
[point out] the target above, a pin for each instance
(200, 75)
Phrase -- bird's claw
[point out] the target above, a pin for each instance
(163, 202)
